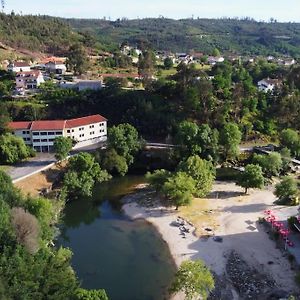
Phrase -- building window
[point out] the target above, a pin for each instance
(58, 132)
(43, 133)
(44, 140)
(36, 140)
(51, 133)
(91, 126)
(68, 131)
(36, 133)
(72, 130)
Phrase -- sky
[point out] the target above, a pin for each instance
(281, 10)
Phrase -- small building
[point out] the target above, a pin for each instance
(18, 66)
(40, 135)
(29, 80)
(93, 85)
(212, 60)
(56, 67)
(268, 85)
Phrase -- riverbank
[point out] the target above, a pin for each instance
(236, 229)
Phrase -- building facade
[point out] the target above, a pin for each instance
(56, 67)
(18, 66)
(29, 80)
(40, 135)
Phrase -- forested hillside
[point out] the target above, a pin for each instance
(36, 33)
(244, 36)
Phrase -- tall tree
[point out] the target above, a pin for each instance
(203, 173)
(194, 279)
(252, 177)
(77, 59)
(124, 138)
(230, 138)
(179, 188)
(62, 147)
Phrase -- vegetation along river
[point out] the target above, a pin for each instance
(127, 258)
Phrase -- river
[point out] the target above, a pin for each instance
(127, 258)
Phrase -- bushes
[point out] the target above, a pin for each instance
(13, 149)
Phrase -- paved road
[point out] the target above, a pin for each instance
(40, 162)
(31, 166)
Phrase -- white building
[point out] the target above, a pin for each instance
(82, 85)
(268, 85)
(29, 79)
(40, 135)
(18, 66)
(56, 67)
(94, 85)
(212, 60)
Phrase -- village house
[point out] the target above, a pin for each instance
(40, 135)
(183, 57)
(212, 60)
(56, 67)
(286, 62)
(268, 85)
(18, 66)
(29, 80)
(82, 85)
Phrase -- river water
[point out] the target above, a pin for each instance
(127, 258)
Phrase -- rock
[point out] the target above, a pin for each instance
(218, 239)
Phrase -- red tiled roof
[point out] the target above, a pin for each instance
(19, 125)
(57, 124)
(48, 125)
(84, 121)
(20, 64)
(35, 73)
(120, 75)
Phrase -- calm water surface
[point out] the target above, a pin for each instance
(126, 258)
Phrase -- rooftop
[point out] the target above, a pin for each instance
(56, 124)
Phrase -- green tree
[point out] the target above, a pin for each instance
(286, 159)
(286, 190)
(83, 172)
(252, 177)
(194, 279)
(12, 149)
(83, 294)
(62, 147)
(125, 140)
(114, 163)
(187, 139)
(271, 164)
(203, 173)
(77, 59)
(179, 188)
(216, 52)
(146, 66)
(168, 63)
(290, 139)
(230, 138)
(4, 119)
(158, 178)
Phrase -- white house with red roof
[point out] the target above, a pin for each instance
(18, 66)
(56, 67)
(29, 79)
(40, 135)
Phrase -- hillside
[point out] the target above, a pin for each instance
(244, 36)
(36, 33)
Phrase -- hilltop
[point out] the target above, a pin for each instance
(245, 36)
(33, 34)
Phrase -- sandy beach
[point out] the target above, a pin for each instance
(235, 216)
